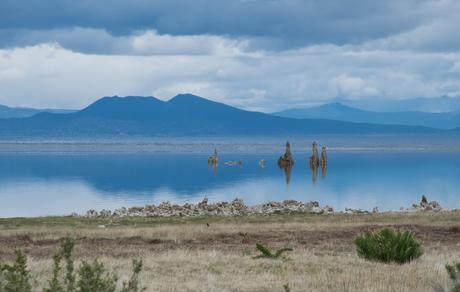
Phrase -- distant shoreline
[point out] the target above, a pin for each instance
(234, 144)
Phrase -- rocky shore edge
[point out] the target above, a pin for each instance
(238, 208)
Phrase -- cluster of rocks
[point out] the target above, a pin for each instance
(204, 208)
(237, 208)
(424, 206)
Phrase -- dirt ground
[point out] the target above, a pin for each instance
(209, 254)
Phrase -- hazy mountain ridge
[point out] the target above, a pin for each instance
(183, 115)
(341, 112)
(418, 104)
(7, 112)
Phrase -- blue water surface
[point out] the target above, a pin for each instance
(38, 184)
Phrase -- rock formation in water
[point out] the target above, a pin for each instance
(323, 161)
(262, 163)
(286, 160)
(323, 157)
(214, 159)
(314, 159)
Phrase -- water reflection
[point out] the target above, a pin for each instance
(60, 184)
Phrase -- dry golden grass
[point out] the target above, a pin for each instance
(187, 255)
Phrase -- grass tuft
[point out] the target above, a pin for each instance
(265, 252)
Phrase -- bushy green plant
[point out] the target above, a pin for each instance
(265, 252)
(388, 246)
(454, 274)
(91, 276)
(15, 277)
(94, 277)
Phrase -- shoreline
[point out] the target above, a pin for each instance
(238, 208)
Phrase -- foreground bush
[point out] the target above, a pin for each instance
(15, 277)
(388, 246)
(454, 273)
(90, 277)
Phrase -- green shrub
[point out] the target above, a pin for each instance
(67, 253)
(454, 273)
(265, 252)
(93, 277)
(54, 284)
(15, 277)
(388, 246)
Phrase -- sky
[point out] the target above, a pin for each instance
(265, 55)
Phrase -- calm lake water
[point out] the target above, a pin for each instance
(57, 183)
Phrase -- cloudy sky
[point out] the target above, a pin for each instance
(257, 54)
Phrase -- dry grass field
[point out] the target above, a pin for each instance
(216, 254)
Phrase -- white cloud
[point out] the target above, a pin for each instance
(354, 87)
(51, 76)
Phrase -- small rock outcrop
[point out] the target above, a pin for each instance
(286, 160)
(425, 206)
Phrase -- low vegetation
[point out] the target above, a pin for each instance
(389, 246)
(92, 276)
(15, 277)
(265, 252)
(185, 254)
(454, 274)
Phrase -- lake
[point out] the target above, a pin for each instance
(57, 179)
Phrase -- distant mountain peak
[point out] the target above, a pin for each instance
(122, 107)
(187, 97)
(337, 105)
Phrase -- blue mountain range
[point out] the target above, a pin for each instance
(341, 112)
(22, 112)
(182, 115)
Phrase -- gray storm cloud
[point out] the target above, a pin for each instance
(264, 55)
